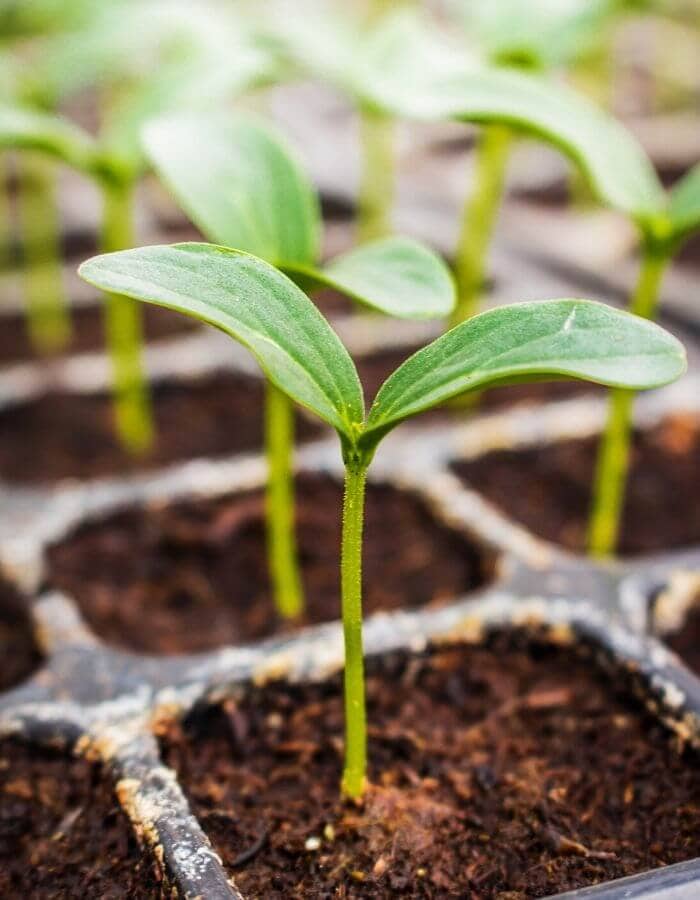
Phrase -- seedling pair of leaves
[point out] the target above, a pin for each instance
(303, 358)
(243, 188)
(196, 75)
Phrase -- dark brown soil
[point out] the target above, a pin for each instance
(88, 332)
(72, 435)
(686, 641)
(548, 488)
(193, 576)
(18, 651)
(510, 771)
(62, 833)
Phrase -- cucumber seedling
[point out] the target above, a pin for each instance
(303, 357)
(115, 162)
(243, 188)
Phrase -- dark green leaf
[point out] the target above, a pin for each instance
(557, 338)
(255, 304)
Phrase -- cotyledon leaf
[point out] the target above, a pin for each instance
(255, 304)
(396, 275)
(684, 207)
(615, 164)
(239, 183)
(558, 338)
(28, 129)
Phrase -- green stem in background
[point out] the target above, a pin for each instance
(6, 229)
(479, 220)
(378, 175)
(353, 782)
(613, 455)
(48, 321)
(281, 540)
(123, 327)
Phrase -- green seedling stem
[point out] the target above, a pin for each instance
(123, 326)
(479, 219)
(48, 321)
(377, 186)
(613, 455)
(281, 535)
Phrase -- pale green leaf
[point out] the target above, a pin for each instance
(239, 183)
(613, 161)
(255, 304)
(684, 207)
(396, 275)
(555, 338)
(27, 129)
(541, 32)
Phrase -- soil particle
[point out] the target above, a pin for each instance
(196, 571)
(508, 770)
(72, 435)
(548, 488)
(18, 651)
(62, 833)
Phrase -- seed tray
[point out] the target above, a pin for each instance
(102, 702)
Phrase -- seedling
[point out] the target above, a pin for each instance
(302, 356)
(661, 237)
(243, 188)
(115, 162)
(621, 176)
(405, 68)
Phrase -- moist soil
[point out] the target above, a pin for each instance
(548, 488)
(686, 641)
(88, 331)
(18, 651)
(193, 575)
(73, 435)
(62, 833)
(510, 771)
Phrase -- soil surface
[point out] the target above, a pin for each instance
(509, 771)
(62, 833)
(686, 641)
(88, 333)
(18, 651)
(72, 435)
(196, 571)
(548, 488)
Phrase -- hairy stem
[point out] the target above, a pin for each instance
(353, 782)
(479, 220)
(48, 321)
(613, 454)
(281, 540)
(377, 181)
(123, 328)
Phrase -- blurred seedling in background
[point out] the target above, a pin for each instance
(243, 188)
(303, 358)
(208, 61)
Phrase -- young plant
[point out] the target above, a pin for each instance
(243, 188)
(662, 235)
(115, 162)
(302, 356)
(620, 175)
